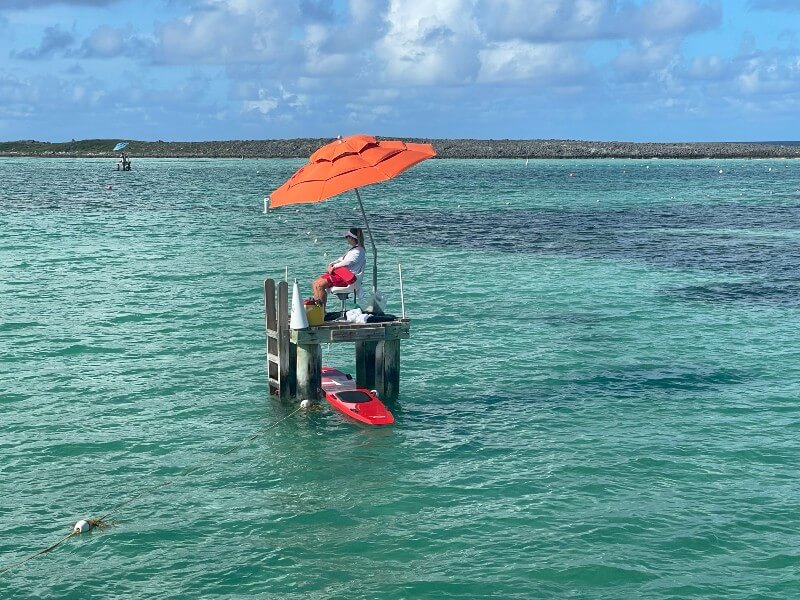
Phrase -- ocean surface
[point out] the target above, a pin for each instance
(600, 398)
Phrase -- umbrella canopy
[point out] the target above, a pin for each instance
(347, 164)
(120, 146)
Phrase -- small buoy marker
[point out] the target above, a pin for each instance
(82, 526)
(305, 404)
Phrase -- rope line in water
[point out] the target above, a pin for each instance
(40, 552)
(100, 521)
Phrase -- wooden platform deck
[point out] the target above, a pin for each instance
(339, 331)
(294, 357)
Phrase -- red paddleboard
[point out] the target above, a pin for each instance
(357, 403)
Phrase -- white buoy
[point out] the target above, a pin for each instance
(265, 204)
(305, 404)
(82, 526)
(299, 319)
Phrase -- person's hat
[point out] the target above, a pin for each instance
(350, 234)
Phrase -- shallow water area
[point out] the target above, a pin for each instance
(599, 398)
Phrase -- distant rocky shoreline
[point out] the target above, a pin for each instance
(445, 148)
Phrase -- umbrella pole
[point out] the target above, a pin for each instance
(372, 243)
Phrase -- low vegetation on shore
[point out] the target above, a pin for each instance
(445, 148)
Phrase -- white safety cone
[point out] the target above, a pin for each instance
(299, 319)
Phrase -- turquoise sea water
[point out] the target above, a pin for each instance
(599, 398)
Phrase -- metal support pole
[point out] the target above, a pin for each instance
(402, 299)
(372, 243)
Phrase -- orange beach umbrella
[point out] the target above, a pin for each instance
(347, 164)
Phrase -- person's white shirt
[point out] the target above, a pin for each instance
(354, 259)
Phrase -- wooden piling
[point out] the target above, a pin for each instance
(294, 357)
(391, 369)
(379, 373)
(365, 364)
(280, 366)
(309, 372)
(283, 339)
(271, 325)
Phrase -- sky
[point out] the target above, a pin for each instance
(194, 70)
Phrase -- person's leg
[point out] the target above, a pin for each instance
(320, 289)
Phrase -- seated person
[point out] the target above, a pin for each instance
(343, 271)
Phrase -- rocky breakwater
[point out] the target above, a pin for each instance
(582, 149)
(445, 148)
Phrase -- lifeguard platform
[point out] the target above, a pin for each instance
(294, 356)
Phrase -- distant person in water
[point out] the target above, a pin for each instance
(344, 270)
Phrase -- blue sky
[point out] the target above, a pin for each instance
(636, 70)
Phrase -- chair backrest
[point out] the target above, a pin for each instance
(357, 289)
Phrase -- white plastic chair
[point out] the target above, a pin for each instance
(343, 293)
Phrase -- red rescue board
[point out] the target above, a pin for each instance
(357, 403)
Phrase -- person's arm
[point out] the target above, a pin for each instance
(348, 259)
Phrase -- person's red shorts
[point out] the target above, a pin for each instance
(341, 277)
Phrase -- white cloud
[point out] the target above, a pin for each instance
(668, 17)
(647, 55)
(708, 68)
(109, 42)
(545, 20)
(521, 61)
(49, 93)
(430, 43)
(345, 49)
(561, 20)
(230, 31)
(265, 106)
(55, 41)
(326, 66)
(764, 74)
(35, 4)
